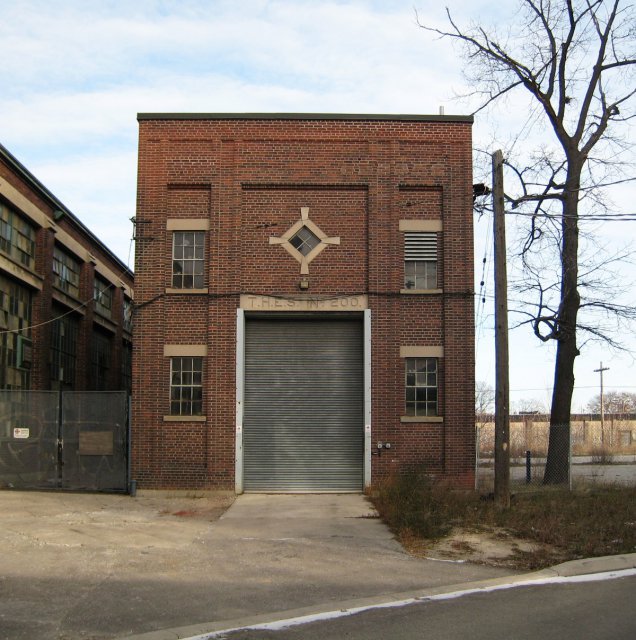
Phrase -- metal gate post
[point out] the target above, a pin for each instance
(60, 438)
(132, 487)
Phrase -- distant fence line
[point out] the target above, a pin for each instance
(617, 434)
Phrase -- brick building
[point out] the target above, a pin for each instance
(65, 299)
(304, 304)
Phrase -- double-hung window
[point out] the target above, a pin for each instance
(186, 385)
(420, 260)
(421, 386)
(188, 259)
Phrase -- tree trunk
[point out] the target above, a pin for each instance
(557, 466)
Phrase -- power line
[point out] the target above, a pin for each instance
(598, 217)
(607, 217)
(81, 305)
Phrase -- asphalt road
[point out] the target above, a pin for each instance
(581, 611)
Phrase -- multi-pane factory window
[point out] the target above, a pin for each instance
(15, 335)
(66, 272)
(103, 295)
(17, 237)
(63, 357)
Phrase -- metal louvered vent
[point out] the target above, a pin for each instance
(420, 246)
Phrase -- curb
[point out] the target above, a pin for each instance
(586, 566)
(590, 565)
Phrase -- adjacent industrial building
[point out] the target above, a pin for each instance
(304, 301)
(66, 300)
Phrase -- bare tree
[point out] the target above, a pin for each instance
(529, 405)
(614, 402)
(484, 398)
(574, 60)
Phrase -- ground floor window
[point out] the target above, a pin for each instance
(15, 335)
(64, 332)
(100, 360)
(186, 386)
(421, 386)
(126, 366)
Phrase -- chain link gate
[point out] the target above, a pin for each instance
(75, 440)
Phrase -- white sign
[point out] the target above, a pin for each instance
(21, 432)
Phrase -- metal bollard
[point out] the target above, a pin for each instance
(528, 467)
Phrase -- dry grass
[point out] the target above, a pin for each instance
(567, 524)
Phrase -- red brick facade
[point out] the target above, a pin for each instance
(248, 177)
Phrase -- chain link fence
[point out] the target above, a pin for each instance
(581, 453)
(75, 440)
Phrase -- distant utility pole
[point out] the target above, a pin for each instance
(502, 387)
(600, 370)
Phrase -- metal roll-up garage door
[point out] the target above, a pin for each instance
(303, 413)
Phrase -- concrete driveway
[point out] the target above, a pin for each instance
(99, 566)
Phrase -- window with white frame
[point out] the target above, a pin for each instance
(421, 383)
(188, 259)
(420, 260)
(186, 385)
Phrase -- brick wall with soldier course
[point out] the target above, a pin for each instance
(223, 201)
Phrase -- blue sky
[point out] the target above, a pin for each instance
(74, 74)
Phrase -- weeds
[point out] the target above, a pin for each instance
(582, 523)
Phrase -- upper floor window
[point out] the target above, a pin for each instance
(420, 260)
(66, 272)
(103, 296)
(188, 259)
(128, 315)
(17, 237)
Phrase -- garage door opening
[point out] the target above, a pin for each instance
(303, 404)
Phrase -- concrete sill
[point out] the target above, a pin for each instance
(184, 418)
(187, 292)
(422, 292)
(437, 419)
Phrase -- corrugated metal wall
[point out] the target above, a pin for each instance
(303, 416)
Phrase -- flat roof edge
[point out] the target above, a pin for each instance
(307, 116)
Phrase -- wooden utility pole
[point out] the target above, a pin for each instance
(600, 370)
(502, 387)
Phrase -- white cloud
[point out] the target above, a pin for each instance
(100, 190)
(75, 73)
